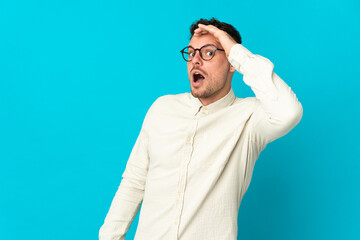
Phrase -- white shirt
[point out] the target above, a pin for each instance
(192, 164)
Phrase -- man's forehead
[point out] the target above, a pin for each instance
(197, 42)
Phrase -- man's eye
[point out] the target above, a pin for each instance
(209, 53)
(191, 54)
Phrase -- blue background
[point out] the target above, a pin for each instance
(77, 77)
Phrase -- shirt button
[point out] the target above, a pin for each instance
(188, 139)
(179, 195)
(176, 222)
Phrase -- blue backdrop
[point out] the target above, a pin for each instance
(77, 77)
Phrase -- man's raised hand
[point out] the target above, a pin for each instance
(226, 41)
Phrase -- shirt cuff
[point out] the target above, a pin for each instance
(238, 56)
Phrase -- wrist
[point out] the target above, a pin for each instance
(229, 47)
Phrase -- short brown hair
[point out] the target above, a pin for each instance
(221, 25)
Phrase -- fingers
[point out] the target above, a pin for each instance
(200, 31)
(207, 29)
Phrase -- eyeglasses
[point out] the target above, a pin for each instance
(207, 52)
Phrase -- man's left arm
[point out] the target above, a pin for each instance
(278, 110)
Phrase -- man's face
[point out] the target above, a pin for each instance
(217, 72)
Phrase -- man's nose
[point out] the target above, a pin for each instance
(196, 59)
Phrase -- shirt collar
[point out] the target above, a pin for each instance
(223, 102)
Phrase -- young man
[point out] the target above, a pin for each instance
(194, 157)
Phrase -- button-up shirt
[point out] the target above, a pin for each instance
(192, 164)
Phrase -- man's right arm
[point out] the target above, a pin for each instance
(129, 195)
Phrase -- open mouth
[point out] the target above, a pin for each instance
(197, 77)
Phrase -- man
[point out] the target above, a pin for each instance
(194, 157)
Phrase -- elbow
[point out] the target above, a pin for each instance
(288, 121)
(294, 115)
(298, 113)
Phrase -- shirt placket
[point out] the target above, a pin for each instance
(189, 145)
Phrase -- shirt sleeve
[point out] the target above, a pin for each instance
(129, 195)
(278, 109)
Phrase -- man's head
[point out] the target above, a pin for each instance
(216, 73)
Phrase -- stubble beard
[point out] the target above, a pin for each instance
(202, 94)
(208, 92)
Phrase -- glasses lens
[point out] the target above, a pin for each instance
(188, 53)
(207, 52)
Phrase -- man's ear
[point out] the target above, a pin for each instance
(232, 69)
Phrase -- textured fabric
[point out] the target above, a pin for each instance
(192, 164)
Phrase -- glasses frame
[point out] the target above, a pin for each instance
(199, 49)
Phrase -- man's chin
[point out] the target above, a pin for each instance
(198, 94)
